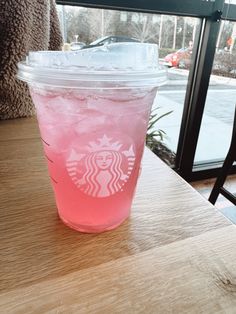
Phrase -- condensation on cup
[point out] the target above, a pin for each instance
(93, 108)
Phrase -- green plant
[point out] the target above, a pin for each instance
(156, 135)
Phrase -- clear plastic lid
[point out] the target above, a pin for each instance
(117, 65)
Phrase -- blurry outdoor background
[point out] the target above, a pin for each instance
(175, 36)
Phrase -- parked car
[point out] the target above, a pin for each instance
(76, 45)
(180, 58)
(110, 40)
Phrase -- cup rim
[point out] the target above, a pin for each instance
(70, 78)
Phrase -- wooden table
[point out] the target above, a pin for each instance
(176, 253)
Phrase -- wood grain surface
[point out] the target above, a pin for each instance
(196, 275)
(48, 268)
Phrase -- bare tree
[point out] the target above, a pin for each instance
(168, 26)
(143, 28)
(90, 24)
(76, 24)
(100, 22)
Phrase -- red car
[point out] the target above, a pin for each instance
(174, 59)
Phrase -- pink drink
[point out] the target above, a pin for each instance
(93, 107)
(93, 144)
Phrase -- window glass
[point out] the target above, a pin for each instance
(216, 128)
(175, 36)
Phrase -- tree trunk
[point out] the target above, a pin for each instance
(194, 30)
(184, 33)
(102, 22)
(219, 36)
(64, 30)
(175, 29)
(160, 32)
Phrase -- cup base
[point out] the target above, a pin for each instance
(90, 229)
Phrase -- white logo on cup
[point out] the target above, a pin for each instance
(104, 169)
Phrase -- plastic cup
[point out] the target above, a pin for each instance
(93, 109)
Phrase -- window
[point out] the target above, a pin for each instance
(186, 33)
(174, 35)
(216, 128)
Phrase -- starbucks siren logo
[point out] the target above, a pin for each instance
(104, 168)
